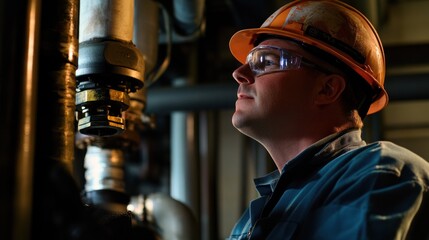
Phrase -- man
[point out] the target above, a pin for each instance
(310, 74)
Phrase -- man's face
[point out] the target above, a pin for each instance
(274, 103)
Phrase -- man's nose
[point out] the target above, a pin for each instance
(244, 74)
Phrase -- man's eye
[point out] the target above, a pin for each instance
(271, 62)
(272, 57)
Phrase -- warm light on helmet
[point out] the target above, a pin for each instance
(333, 27)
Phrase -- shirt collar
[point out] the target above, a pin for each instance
(324, 149)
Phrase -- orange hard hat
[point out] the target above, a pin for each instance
(333, 27)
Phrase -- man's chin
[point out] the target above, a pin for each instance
(240, 122)
(237, 120)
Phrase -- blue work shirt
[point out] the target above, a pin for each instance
(342, 188)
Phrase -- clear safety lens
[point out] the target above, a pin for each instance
(265, 59)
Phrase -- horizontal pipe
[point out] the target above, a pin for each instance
(191, 98)
(408, 87)
(223, 96)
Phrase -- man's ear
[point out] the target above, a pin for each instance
(329, 88)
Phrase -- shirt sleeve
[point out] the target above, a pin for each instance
(384, 205)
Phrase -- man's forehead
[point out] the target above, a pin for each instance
(296, 47)
(281, 42)
(288, 45)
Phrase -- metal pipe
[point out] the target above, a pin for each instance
(184, 176)
(146, 27)
(105, 181)
(173, 218)
(184, 179)
(188, 15)
(188, 21)
(106, 19)
(223, 96)
(408, 87)
(104, 169)
(110, 66)
(25, 161)
(208, 138)
(55, 105)
(191, 98)
(57, 85)
(19, 25)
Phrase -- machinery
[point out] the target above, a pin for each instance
(82, 89)
(116, 65)
(87, 67)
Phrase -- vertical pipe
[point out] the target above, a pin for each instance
(209, 195)
(184, 183)
(188, 15)
(106, 19)
(184, 163)
(55, 129)
(24, 170)
(110, 66)
(19, 26)
(146, 27)
(105, 184)
(57, 82)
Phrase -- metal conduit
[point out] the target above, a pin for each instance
(223, 96)
(18, 73)
(57, 86)
(192, 98)
(188, 21)
(188, 15)
(408, 87)
(54, 137)
(25, 162)
(172, 219)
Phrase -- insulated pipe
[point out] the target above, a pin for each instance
(146, 28)
(105, 184)
(173, 218)
(188, 21)
(188, 15)
(104, 169)
(110, 66)
(176, 219)
(106, 19)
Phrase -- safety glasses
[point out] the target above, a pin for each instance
(267, 59)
